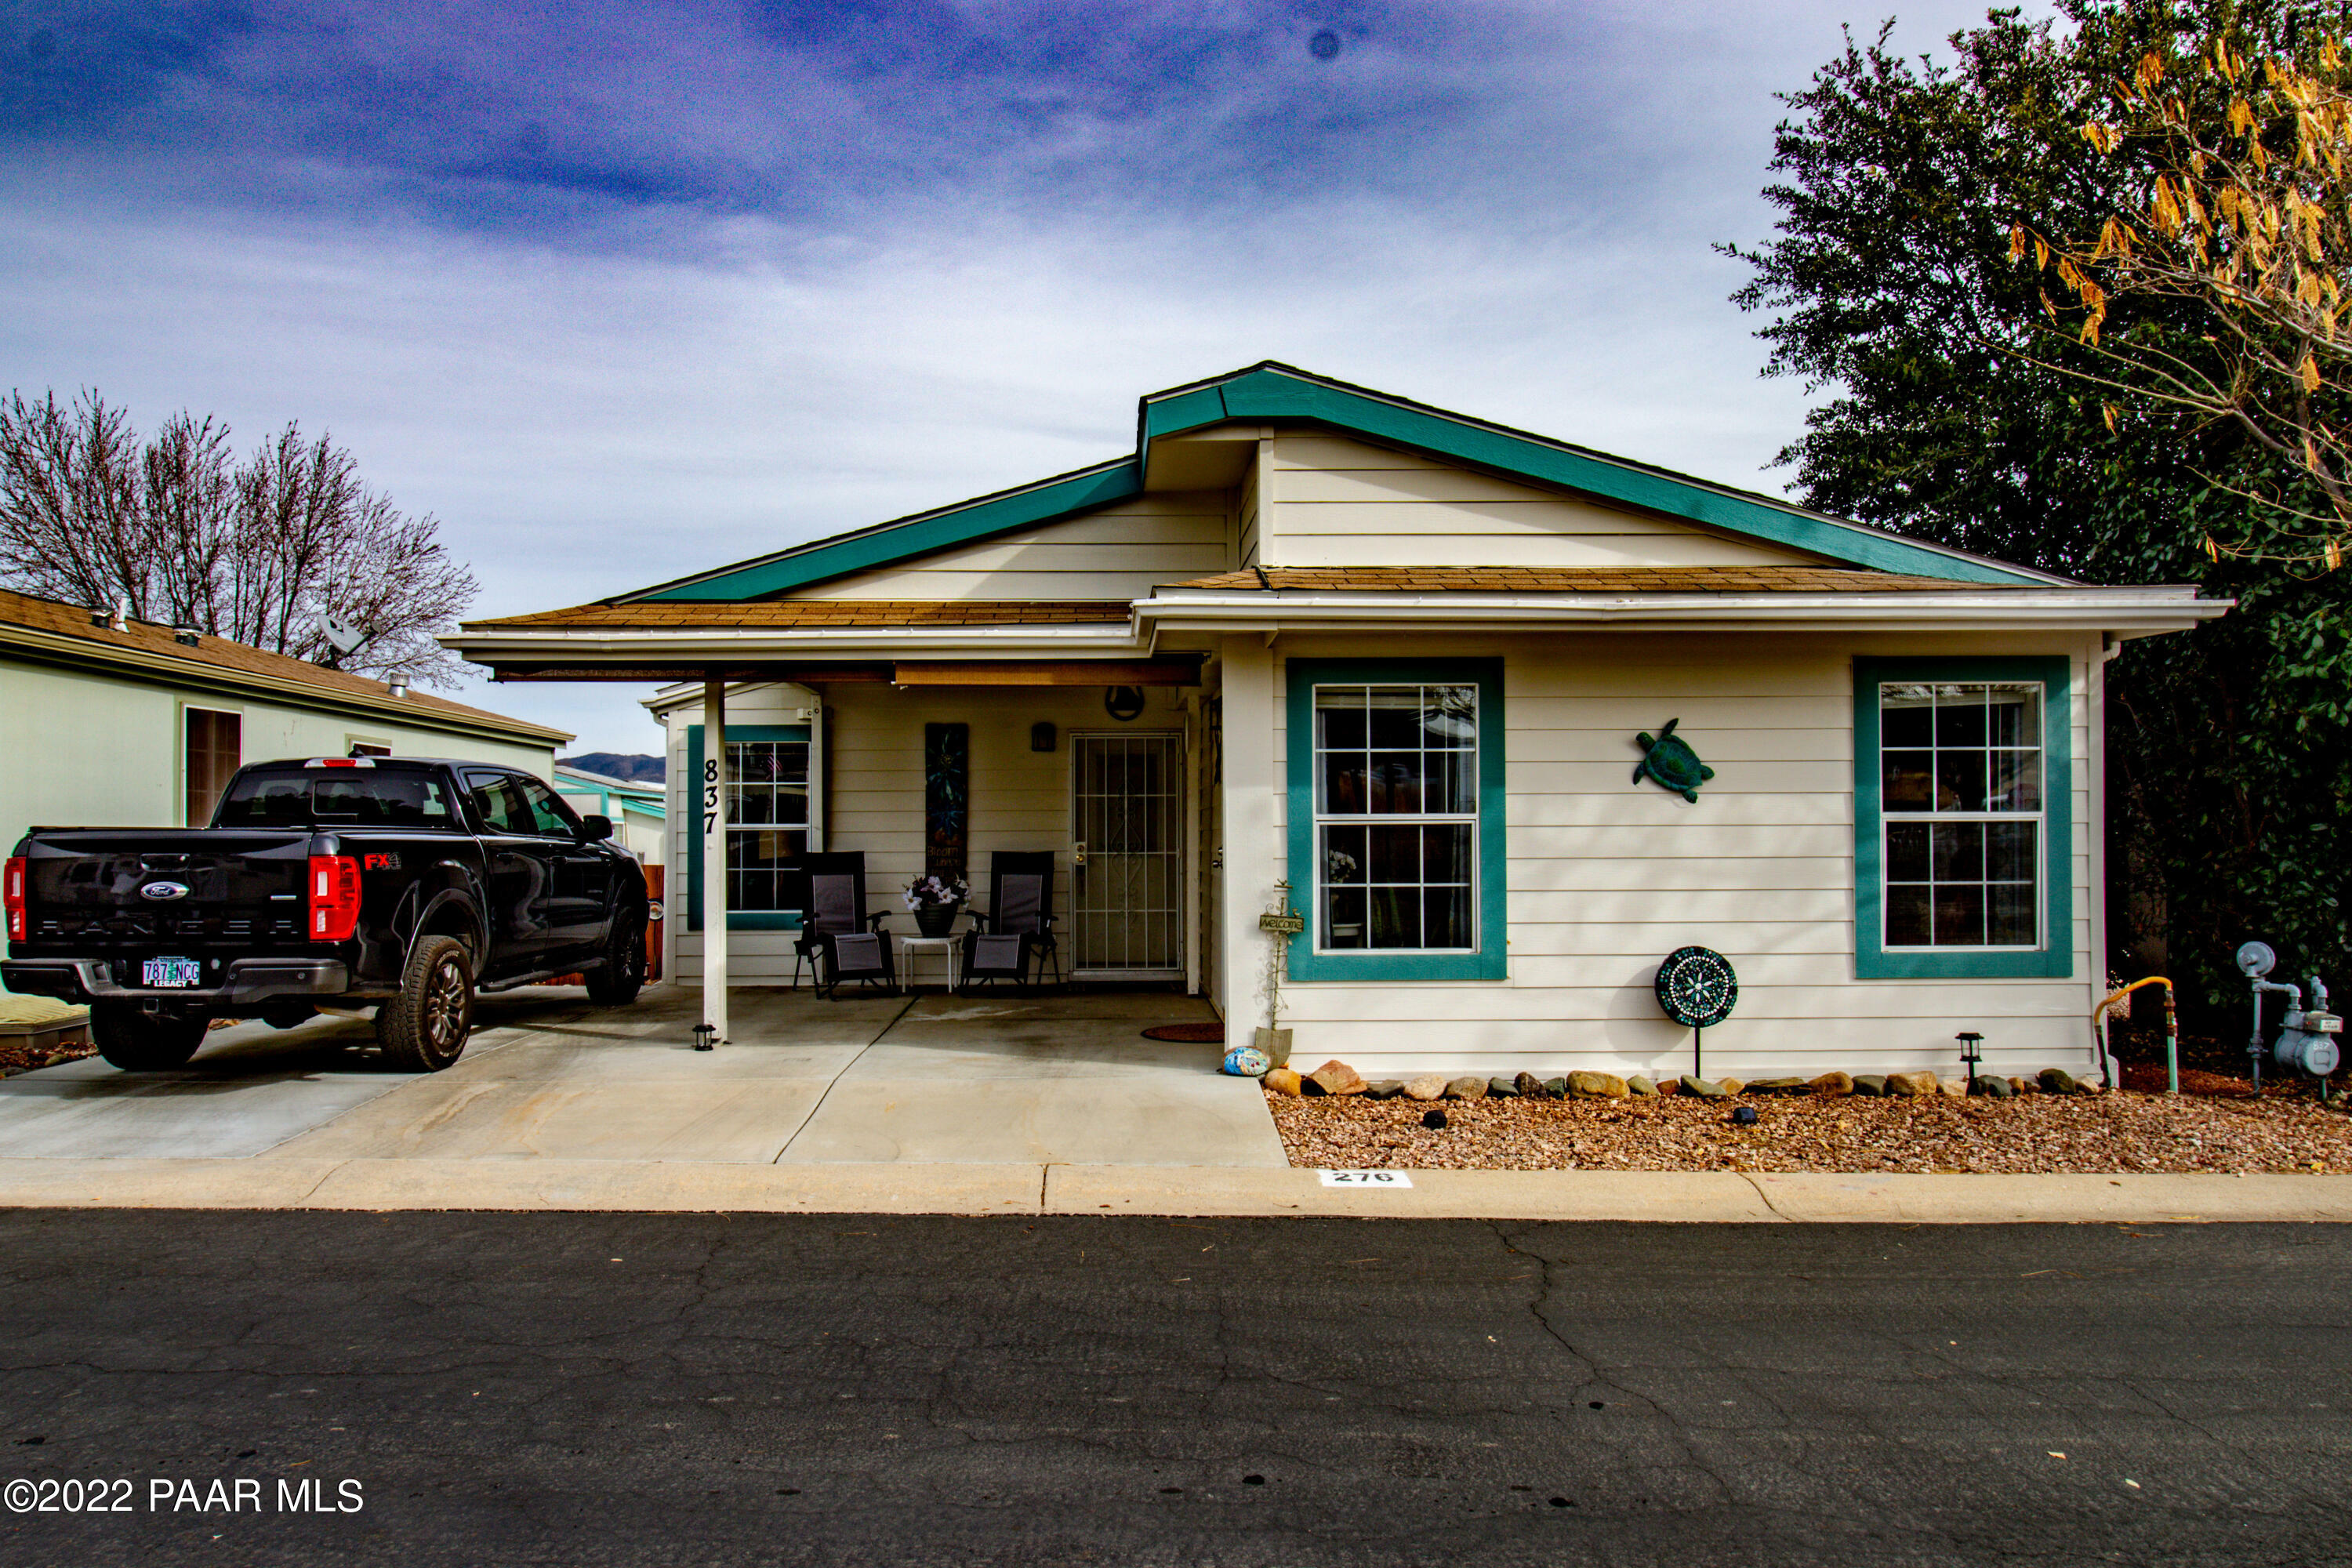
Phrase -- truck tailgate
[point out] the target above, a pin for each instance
(103, 889)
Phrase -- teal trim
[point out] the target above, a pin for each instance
(1492, 960)
(737, 919)
(917, 536)
(1276, 394)
(2056, 958)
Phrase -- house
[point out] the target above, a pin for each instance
(635, 810)
(118, 722)
(1316, 648)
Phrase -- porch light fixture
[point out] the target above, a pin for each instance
(1042, 735)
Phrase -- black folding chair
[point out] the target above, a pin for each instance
(838, 940)
(1017, 928)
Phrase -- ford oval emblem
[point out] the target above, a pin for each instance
(162, 892)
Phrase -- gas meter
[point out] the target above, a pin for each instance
(2307, 1035)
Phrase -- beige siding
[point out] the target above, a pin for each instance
(1121, 551)
(1607, 876)
(1344, 503)
(1019, 798)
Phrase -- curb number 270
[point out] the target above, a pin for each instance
(1366, 1179)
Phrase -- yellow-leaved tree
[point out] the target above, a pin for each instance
(2237, 215)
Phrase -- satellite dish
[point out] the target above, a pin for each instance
(339, 633)
(2256, 960)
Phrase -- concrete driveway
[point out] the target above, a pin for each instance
(1049, 1080)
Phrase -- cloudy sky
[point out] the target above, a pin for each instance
(622, 290)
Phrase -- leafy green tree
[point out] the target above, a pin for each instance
(1957, 410)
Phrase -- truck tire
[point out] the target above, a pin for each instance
(131, 1038)
(423, 1028)
(616, 981)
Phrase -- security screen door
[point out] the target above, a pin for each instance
(1126, 872)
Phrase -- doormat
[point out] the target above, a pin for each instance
(1190, 1034)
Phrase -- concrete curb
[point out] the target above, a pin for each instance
(645, 1186)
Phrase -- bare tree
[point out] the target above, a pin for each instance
(254, 551)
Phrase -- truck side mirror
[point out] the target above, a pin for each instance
(592, 828)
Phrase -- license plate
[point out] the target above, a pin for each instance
(171, 971)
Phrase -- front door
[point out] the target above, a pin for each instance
(1126, 877)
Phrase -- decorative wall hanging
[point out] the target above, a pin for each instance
(947, 798)
(1123, 703)
(1670, 761)
(1043, 737)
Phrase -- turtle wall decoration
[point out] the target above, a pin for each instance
(1669, 760)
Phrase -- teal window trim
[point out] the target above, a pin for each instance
(2055, 958)
(1492, 959)
(737, 919)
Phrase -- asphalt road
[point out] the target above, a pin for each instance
(584, 1389)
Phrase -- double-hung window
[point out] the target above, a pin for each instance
(767, 807)
(1396, 832)
(1961, 817)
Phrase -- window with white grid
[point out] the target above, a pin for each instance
(1396, 817)
(767, 823)
(1962, 788)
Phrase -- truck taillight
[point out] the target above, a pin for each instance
(12, 885)
(334, 897)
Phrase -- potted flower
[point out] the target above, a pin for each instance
(936, 901)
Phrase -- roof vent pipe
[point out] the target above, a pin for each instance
(186, 637)
(398, 685)
(122, 614)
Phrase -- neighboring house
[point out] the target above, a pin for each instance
(1405, 662)
(126, 725)
(635, 810)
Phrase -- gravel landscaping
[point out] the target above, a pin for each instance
(2284, 1131)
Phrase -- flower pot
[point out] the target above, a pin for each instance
(937, 920)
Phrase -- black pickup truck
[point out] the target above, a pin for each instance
(329, 884)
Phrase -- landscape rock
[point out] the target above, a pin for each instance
(1912, 1085)
(1596, 1085)
(1529, 1086)
(1283, 1080)
(1706, 1088)
(1555, 1088)
(1428, 1086)
(1994, 1088)
(1832, 1083)
(1733, 1084)
(1779, 1086)
(1336, 1076)
(1870, 1083)
(2021, 1085)
(1383, 1089)
(2057, 1080)
(1640, 1088)
(1466, 1088)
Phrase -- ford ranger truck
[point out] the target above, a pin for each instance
(335, 883)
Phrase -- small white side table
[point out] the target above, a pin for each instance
(909, 946)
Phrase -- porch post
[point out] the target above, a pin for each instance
(1253, 847)
(713, 804)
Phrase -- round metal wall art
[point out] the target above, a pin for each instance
(1123, 703)
(1696, 987)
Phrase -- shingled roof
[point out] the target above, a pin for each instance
(1574, 580)
(29, 624)
(832, 615)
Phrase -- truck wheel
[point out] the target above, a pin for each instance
(615, 982)
(130, 1037)
(423, 1028)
